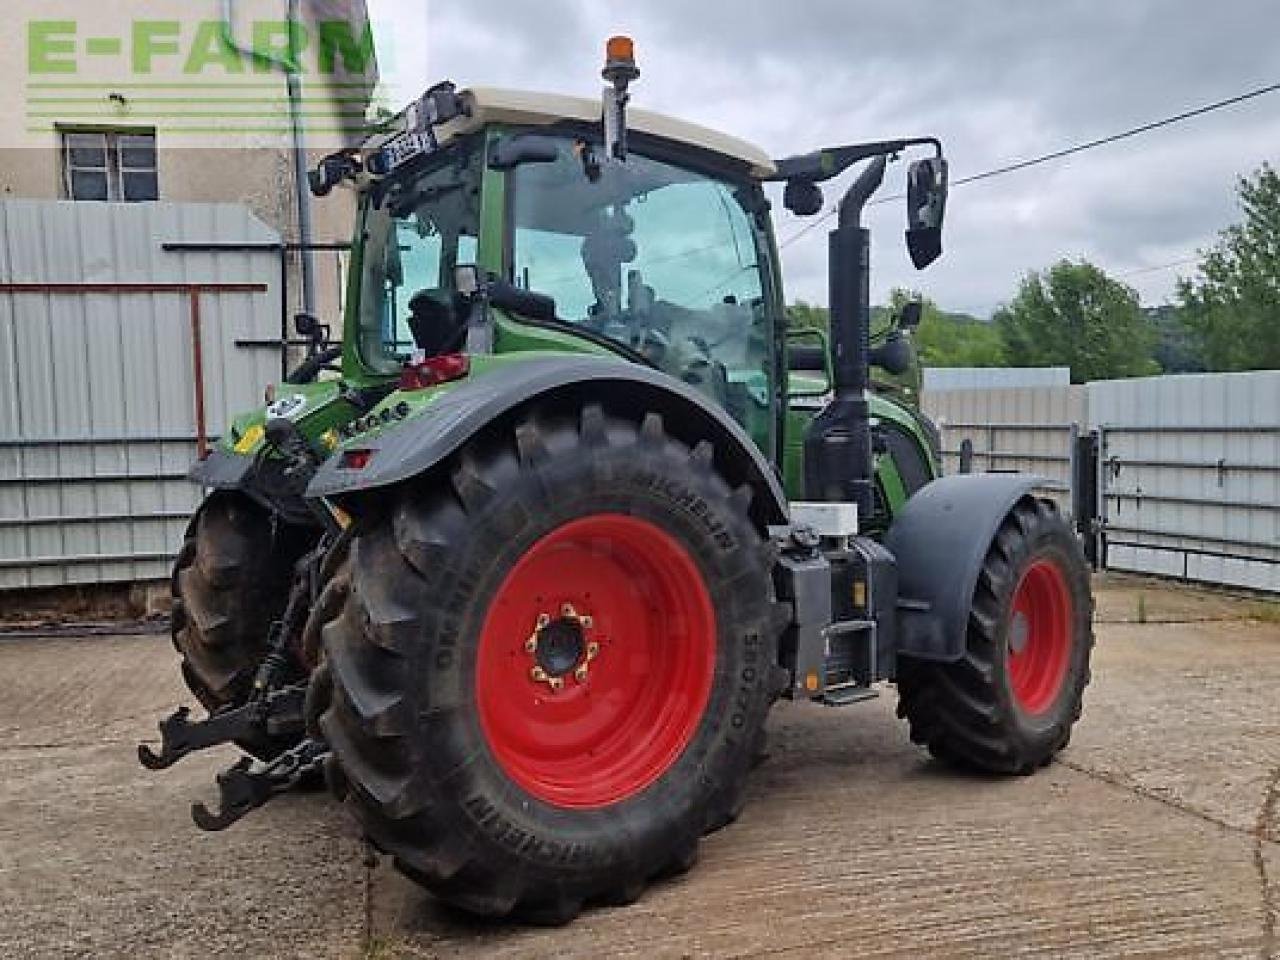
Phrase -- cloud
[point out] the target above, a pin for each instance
(997, 80)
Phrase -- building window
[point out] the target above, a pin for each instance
(110, 165)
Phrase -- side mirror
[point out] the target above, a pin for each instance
(311, 329)
(802, 197)
(912, 311)
(926, 208)
(331, 172)
(893, 356)
(306, 325)
(509, 152)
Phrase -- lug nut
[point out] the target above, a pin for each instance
(581, 674)
(556, 683)
(538, 674)
(587, 623)
(593, 650)
(543, 619)
(531, 645)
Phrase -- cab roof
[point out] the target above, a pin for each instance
(527, 108)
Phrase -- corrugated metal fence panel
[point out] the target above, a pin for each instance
(97, 422)
(994, 378)
(1195, 475)
(1024, 429)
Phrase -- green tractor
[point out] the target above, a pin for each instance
(523, 572)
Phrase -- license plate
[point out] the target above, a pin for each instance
(405, 148)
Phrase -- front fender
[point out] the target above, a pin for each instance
(940, 540)
(628, 390)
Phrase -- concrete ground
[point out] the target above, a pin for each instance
(1157, 833)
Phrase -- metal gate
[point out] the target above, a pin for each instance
(1174, 502)
(117, 363)
(1189, 477)
(1176, 476)
(1013, 430)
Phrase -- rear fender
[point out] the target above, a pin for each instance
(417, 446)
(262, 480)
(940, 540)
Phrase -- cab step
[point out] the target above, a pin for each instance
(846, 694)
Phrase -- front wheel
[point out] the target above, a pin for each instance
(553, 666)
(1008, 705)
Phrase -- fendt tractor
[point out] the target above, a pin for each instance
(520, 567)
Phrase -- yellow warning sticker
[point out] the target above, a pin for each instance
(341, 516)
(252, 437)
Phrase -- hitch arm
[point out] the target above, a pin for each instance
(249, 784)
(280, 712)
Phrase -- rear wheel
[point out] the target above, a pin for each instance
(1009, 703)
(552, 668)
(231, 579)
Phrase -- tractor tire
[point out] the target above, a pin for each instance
(1008, 705)
(230, 581)
(553, 666)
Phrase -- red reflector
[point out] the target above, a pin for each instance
(355, 459)
(434, 371)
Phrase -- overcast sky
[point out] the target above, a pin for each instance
(997, 80)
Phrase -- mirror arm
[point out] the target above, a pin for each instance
(830, 162)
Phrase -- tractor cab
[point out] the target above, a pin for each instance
(495, 225)
(656, 260)
(664, 258)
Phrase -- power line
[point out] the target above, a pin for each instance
(1066, 151)
(1186, 261)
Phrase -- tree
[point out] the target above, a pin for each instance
(950, 339)
(943, 340)
(1232, 309)
(1074, 315)
(805, 316)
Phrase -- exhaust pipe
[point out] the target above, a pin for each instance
(838, 455)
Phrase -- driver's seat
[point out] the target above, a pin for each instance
(435, 323)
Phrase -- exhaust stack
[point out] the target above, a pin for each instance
(838, 456)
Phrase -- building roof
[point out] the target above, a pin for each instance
(491, 105)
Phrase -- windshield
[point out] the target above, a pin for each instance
(419, 226)
(661, 259)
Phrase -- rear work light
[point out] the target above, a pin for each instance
(433, 371)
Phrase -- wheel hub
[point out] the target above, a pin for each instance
(560, 646)
(1019, 632)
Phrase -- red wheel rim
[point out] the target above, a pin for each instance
(1039, 637)
(623, 599)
